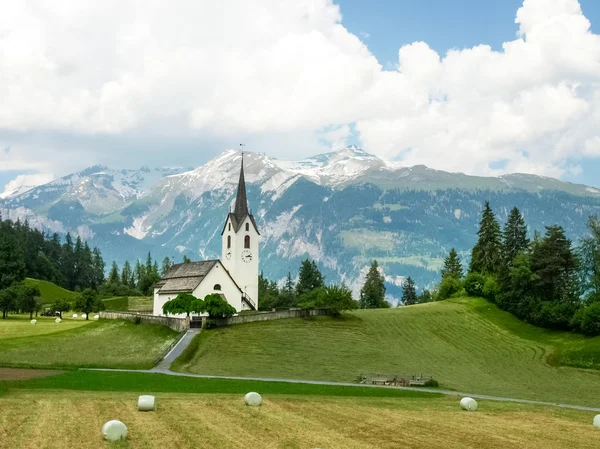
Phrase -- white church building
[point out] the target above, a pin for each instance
(234, 276)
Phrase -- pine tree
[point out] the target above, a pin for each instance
(409, 292)
(113, 276)
(485, 257)
(166, 266)
(310, 278)
(12, 259)
(372, 294)
(590, 257)
(514, 237)
(97, 268)
(186, 259)
(68, 263)
(452, 266)
(127, 275)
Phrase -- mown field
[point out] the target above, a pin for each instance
(467, 345)
(79, 343)
(51, 292)
(73, 419)
(129, 303)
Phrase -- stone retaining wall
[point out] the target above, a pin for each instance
(177, 324)
(268, 316)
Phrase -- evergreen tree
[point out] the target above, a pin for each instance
(12, 259)
(113, 276)
(485, 257)
(139, 273)
(590, 257)
(372, 294)
(409, 292)
(127, 275)
(186, 259)
(424, 297)
(268, 293)
(514, 237)
(452, 266)
(97, 269)
(68, 263)
(310, 278)
(166, 266)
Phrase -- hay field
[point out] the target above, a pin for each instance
(19, 326)
(463, 349)
(66, 419)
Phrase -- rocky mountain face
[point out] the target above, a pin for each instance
(342, 209)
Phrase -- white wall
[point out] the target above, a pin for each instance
(245, 274)
(216, 275)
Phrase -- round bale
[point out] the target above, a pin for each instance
(114, 430)
(74, 315)
(253, 399)
(597, 421)
(146, 403)
(96, 317)
(84, 316)
(468, 404)
(33, 321)
(58, 320)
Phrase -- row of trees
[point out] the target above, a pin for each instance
(136, 281)
(310, 291)
(27, 252)
(546, 281)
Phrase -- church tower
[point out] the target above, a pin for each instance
(240, 244)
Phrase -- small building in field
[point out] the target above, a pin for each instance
(234, 276)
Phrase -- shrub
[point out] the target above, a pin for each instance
(491, 288)
(474, 283)
(432, 383)
(137, 320)
(587, 319)
(448, 287)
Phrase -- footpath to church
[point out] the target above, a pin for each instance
(165, 364)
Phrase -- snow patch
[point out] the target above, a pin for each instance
(139, 229)
(457, 214)
(387, 219)
(180, 248)
(592, 190)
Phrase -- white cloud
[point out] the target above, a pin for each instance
(267, 69)
(24, 182)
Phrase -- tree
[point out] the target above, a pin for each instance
(485, 256)
(186, 259)
(8, 301)
(27, 298)
(60, 306)
(166, 266)
(287, 296)
(452, 266)
(372, 293)
(113, 276)
(338, 298)
(589, 251)
(183, 303)
(12, 259)
(409, 292)
(88, 302)
(268, 293)
(310, 278)
(217, 307)
(127, 277)
(424, 297)
(514, 237)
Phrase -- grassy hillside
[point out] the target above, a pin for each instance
(73, 419)
(129, 303)
(101, 344)
(51, 292)
(467, 345)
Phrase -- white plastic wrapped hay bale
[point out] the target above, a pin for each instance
(253, 399)
(597, 421)
(84, 316)
(146, 403)
(58, 320)
(114, 430)
(33, 321)
(468, 404)
(74, 315)
(96, 317)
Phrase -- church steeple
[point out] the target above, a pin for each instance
(241, 201)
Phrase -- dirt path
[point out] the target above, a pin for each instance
(25, 374)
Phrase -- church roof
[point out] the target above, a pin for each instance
(185, 277)
(240, 212)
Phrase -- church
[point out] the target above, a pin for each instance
(234, 276)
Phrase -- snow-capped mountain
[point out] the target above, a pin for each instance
(342, 209)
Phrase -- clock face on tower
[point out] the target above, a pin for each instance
(246, 256)
(228, 254)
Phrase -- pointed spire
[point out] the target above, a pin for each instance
(241, 202)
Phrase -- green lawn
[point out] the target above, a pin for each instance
(77, 343)
(467, 345)
(51, 292)
(129, 303)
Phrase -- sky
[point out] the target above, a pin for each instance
(480, 87)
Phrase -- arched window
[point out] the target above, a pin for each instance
(247, 241)
(247, 226)
(228, 241)
(217, 287)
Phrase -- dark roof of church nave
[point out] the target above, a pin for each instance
(185, 277)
